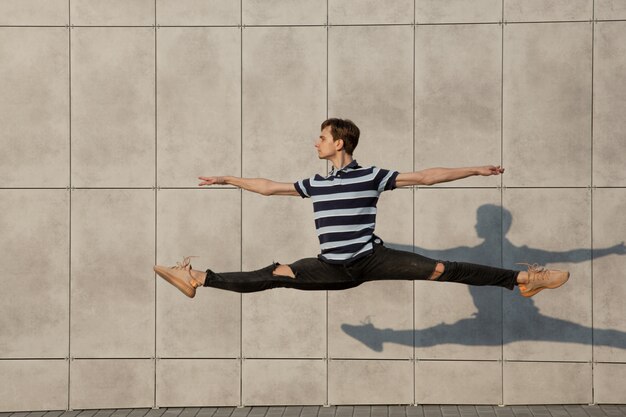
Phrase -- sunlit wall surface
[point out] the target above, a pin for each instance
(109, 111)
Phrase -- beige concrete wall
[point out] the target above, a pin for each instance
(111, 110)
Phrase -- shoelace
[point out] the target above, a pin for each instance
(536, 272)
(186, 265)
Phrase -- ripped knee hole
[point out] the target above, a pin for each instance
(283, 270)
(439, 269)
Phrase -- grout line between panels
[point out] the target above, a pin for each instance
(581, 187)
(591, 197)
(413, 201)
(327, 293)
(502, 203)
(69, 292)
(155, 205)
(31, 26)
(532, 22)
(240, 198)
(517, 22)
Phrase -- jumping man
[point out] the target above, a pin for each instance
(344, 204)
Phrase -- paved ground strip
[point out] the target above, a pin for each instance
(346, 411)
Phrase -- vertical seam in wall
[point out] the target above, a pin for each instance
(413, 199)
(327, 69)
(327, 295)
(241, 198)
(502, 201)
(591, 196)
(154, 361)
(69, 293)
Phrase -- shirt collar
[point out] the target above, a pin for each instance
(351, 165)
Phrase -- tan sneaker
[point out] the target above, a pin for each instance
(180, 276)
(540, 278)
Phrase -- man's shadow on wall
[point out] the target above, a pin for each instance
(472, 331)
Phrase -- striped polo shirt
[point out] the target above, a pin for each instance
(344, 205)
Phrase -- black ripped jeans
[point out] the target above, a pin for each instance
(382, 264)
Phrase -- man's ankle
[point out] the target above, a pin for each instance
(199, 276)
(522, 277)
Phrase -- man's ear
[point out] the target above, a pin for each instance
(339, 146)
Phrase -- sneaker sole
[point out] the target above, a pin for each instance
(183, 286)
(536, 290)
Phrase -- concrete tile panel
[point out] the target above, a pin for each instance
(359, 328)
(277, 228)
(606, 388)
(284, 12)
(609, 105)
(112, 12)
(284, 101)
(197, 383)
(370, 382)
(301, 316)
(550, 227)
(609, 290)
(610, 9)
(459, 224)
(198, 12)
(34, 254)
(394, 218)
(457, 98)
(547, 102)
(34, 111)
(33, 385)
(458, 11)
(544, 10)
(457, 321)
(370, 82)
(199, 104)
(207, 224)
(112, 107)
(547, 383)
(112, 292)
(34, 12)
(285, 382)
(369, 12)
(458, 382)
(111, 383)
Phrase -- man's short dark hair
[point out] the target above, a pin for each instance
(344, 129)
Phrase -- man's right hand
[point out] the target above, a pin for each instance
(212, 180)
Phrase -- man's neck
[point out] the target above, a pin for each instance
(341, 160)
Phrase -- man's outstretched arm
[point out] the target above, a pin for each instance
(433, 176)
(256, 185)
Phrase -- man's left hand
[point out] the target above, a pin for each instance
(490, 170)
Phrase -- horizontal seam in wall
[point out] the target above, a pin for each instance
(520, 22)
(403, 188)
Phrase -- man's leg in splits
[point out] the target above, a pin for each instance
(305, 274)
(387, 263)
